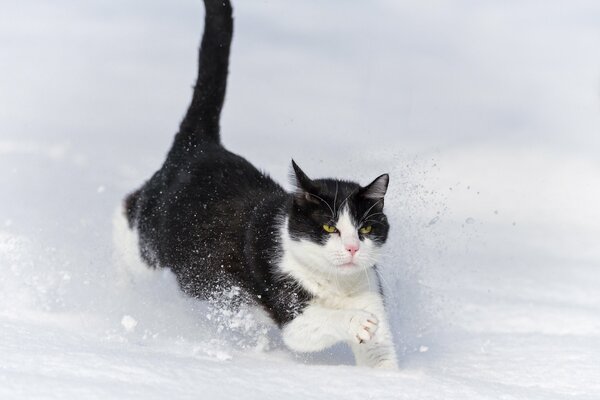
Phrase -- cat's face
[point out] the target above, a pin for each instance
(337, 226)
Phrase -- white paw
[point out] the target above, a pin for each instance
(363, 326)
(387, 364)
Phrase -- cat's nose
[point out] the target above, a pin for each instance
(352, 248)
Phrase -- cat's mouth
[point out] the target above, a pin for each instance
(347, 265)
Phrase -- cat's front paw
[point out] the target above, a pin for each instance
(363, 325)
(386, 364)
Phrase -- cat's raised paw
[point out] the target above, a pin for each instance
(363, 326)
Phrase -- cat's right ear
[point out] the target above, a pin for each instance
(303, 184)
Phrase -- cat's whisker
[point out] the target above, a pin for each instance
(367, 275)
(326, 203)
(372, 221)
(384, 281)
(335, 198)
(334, 272)
(346, 199)
(371, 215)
(370, 208)
(335, 276)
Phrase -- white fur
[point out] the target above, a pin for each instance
(347, 306)
(127, 258)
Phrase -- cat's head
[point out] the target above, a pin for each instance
(337, 226)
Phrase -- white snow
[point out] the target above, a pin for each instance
(129, 323)
(485, 114)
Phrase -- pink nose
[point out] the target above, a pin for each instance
(352, 248)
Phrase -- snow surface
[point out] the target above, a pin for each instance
(486, 114)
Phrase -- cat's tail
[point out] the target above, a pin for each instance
(201, 122)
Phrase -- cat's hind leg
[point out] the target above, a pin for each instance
(127, 260)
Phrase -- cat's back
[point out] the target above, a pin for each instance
(199, 206)
(214, 176)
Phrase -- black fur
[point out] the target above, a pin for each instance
(214, 219)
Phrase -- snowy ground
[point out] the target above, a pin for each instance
(485, 114)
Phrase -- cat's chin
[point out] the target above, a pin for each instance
(349, 268)
(348, 265)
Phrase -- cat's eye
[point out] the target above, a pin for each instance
(366, 229)
(329, 228)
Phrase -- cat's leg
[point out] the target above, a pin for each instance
(319, 327)
(360, 321)
(126, 252)
(379, 351)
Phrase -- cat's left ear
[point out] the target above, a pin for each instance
(304, 185)
(376, 190)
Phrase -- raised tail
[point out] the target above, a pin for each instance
(201, 122)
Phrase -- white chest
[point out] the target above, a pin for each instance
(331, 290)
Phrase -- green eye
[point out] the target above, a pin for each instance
(329, 228)
(366, 229)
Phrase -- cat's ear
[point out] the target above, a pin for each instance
(304, 185)
(376, 190)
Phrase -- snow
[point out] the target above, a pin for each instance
(129, 323)
(486, 115)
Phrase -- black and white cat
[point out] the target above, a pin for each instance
(307, 258)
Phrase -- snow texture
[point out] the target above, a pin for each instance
(486, 115)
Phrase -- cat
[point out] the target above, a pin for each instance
(307, 257)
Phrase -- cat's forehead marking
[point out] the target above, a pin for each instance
(345, 222)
